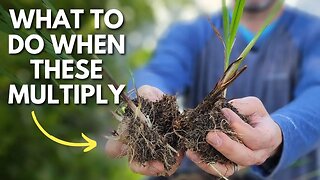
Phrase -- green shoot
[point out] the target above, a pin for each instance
(10, 76)
(226, 27)
(230, 31)
(269, 19)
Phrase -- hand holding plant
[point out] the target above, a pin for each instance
(261, 138)
(115, 148)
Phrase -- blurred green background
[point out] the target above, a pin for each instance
(25, 153)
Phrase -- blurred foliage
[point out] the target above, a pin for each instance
(24, 152)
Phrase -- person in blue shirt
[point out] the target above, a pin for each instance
(283, 75)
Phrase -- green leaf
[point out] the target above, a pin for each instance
(5, 25)
(226, 23)
(231, 29)
(48, 5)
(235, 21)
(231, 72)
(276, 9)
(226, 32)
(11, 76)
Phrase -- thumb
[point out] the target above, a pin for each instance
(151, 93)
(249, 106)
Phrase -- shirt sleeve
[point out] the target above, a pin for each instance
(171, 66)
(299, 120)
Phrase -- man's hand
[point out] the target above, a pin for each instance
(151, 93)
(116, 149)
(261, 137)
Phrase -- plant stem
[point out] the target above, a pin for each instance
(125, 97)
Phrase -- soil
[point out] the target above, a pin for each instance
(170, 131)
(194, 125)
(158, 142)
(173, 131)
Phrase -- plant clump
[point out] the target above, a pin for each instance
(194, 125)
(154, 141)
(157, 131)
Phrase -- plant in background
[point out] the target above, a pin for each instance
(20, 148)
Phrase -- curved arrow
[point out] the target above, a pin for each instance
(90, 144)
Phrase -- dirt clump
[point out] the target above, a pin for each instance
(194, 125)
(165, 131)
(156, 142)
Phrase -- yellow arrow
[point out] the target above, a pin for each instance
(90, 144)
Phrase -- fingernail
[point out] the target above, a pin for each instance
(193, 157)
(214, 139)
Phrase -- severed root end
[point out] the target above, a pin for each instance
(217, 171)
